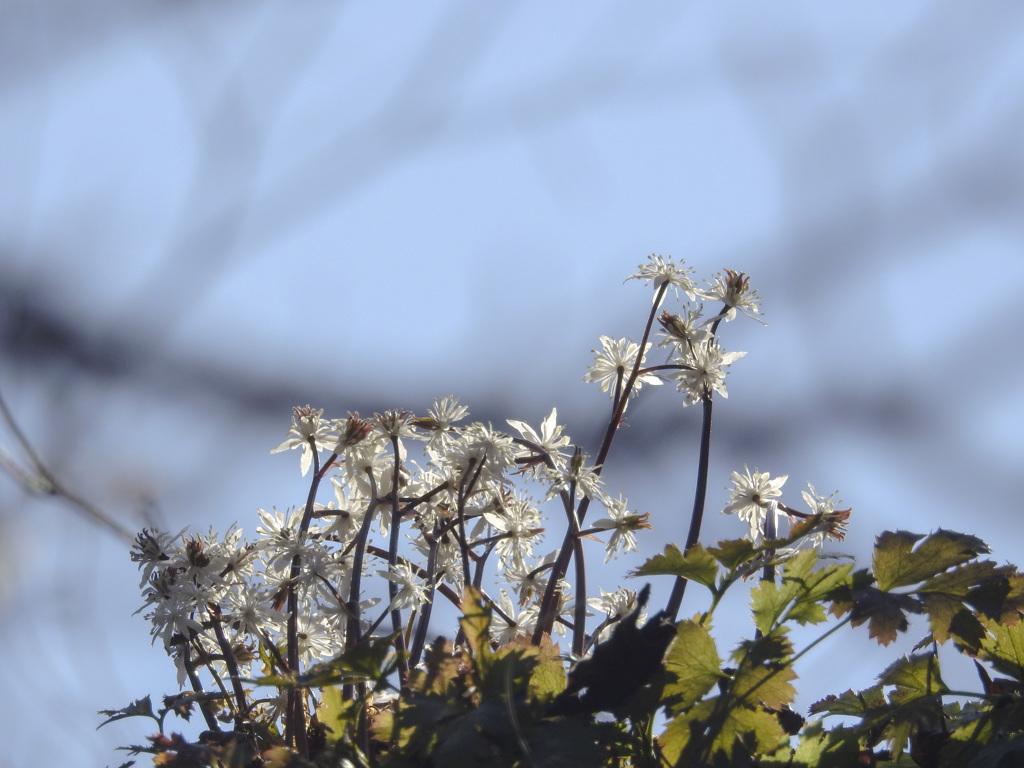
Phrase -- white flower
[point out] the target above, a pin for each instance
(316, 640)
(660, 271)
(479, 449)
(278, 527)
(550, 437)
(831, 521)
(623, 525)
(346, 512)
(733, 290)
(703, 371)
(250, 610)
(752, 495)
(175, 615)
(307, 431)
(616, 605)
(503, 632)
(684, 332)
(531, 581)
(586, 479)
(446, 411)
(412, 592)
(154, 549)
(519, 520)
(614, 363)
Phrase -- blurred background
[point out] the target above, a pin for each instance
(213, 211)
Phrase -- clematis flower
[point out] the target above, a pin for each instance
(703, 371)
(660, 271)
(825, 520)
(412, 592)
(308, 432)
(752, 495)
(614, 362)
(734, 291)
(623, 524)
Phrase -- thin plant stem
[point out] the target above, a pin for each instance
(229, 661)
(700, 494)
(197, 686)
(423, 621)
(546, 616)
(697, 516)
(352, 634)
(396, 614)
(296, 716)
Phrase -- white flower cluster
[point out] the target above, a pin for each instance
(756, 498)
(697, 362)
(302, 591)
(223, 603)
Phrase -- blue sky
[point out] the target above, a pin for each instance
(251, 205)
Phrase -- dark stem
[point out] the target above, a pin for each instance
(422, 623)
(359, 551)
(546, 617)
(197, 686)
(229, 661)
(579, 629)
(396, 614)
(296, 715)
(697, 517)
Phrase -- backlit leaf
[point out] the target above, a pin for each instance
(897, 563)
(696, 565)
(734, 552)
(1004, 648)
(693, 665)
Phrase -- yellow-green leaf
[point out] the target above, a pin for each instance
(693, 666)
(476, 622)
(897, 563)
(696, 565)
(1004, 648)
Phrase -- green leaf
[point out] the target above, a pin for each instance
(734, 552)
(1004, 648)
(837, 747)
(696, 565)
(441, 672)
(547, 679)
(914, 676)
(770, 685)
(337, 712)
(948, 618)
(851, 703)
(768, 603)
(1002, 600)
(693, 666)
(476, 623)
(710, 734)
(764, 672)
(798, 597)
(885, 612)
(898, 564)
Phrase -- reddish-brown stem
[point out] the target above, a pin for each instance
(546, 617)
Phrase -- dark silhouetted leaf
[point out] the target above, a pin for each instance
(619, 666)
(885, 612)
(139, 708)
